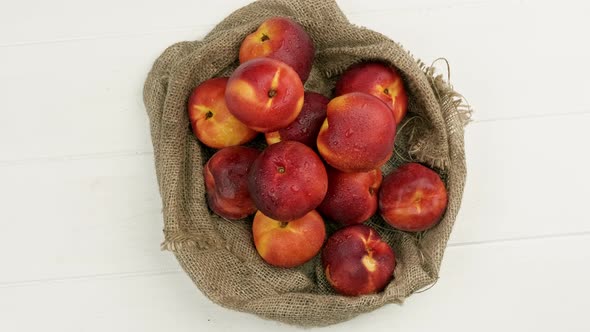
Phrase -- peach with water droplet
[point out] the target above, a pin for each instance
(351, 197)
(288, 244)
(265, 94)
(357, 261)
(226, 182)
(358, 133)
(378, 79)
(412, 198)
(287, 180)
(211, 121)
(306, 126)
(283, 39)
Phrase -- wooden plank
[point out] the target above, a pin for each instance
(81, 217)
(525, 178)
(20, 20)
(528, 286)
(96, 216)
(83, 98)
(105, 18)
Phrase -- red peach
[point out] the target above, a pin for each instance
(306, 126)
(226, 182)
(282, 39)
(351, 197)
(356, 261)
(264, 94)
(379, 80)
(210, 119)
(287, 181)
(288, 244)
(412, 198)
(358, 133)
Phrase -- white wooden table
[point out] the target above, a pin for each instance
(80, 212)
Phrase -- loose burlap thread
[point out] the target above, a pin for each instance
(218, 254)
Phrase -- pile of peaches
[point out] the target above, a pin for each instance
(322, 163)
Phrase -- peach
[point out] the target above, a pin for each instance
(358, 133)
(282, 39)
(356, 261)
(210, 119)
(265, 94)
(412, 198)
(226, 182)
(379, 80)
(306, 126)
(287, 181)
(351, 197)
(288, 244)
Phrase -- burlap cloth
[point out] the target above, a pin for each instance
(219, 255)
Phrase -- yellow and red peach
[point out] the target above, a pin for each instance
(226, 182)
(282, 39)
(288, 244)
(351, 197)
(287, 181)
(306, 126)
(412, 198)
(210, 119)
(358, 133)
(357, 261)
(379, 80)
(265, 94)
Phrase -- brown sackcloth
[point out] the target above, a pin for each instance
(219, 255)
